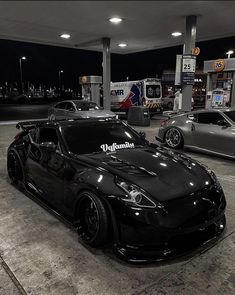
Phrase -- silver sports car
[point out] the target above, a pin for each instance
(70, 109)
(210, 131)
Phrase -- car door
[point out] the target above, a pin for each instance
(208, 134)
(60, 110)
(45, 169)
(70, 110)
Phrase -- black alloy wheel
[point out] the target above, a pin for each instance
(92, 220)
(14, 168)
(52, 117)
(174, 138)
(170, 105)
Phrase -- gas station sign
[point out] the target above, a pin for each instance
(196, 51)
(219, 65)
(188, 69)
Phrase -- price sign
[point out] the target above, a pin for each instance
(189, 65)
(188, 69)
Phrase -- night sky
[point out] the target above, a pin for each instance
(44, 62)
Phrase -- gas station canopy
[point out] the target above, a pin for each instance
(146, 24)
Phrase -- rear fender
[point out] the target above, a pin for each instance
(20, 161)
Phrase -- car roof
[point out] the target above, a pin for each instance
(75, 101)
(219, 110)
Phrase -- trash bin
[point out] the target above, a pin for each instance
(138, 116)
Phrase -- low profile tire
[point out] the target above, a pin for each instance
(52, 117)
(14, 168)
(174, 138)
(92, 220)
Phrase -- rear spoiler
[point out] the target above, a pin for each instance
(30, 124)
(171, 114)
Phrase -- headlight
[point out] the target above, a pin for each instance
(116, 116)
(135, 196)
(213, 177)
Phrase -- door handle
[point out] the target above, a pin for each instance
(193, 127)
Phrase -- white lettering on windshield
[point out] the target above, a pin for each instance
(115, 146)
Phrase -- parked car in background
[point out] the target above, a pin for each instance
(210, 131)
(71, 109)
(168, 102)
(149, 202)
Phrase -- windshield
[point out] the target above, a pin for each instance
(153, 91)
(100, 137)
(231, 115)
(86, 106)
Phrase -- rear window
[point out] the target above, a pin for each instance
(231, 115)
(61, 105)
(87, 106)
(153, 91)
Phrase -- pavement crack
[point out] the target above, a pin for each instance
(12, 277)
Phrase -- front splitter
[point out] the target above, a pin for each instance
(177, 246)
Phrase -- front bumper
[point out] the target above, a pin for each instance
(146, 235)
(176, 244)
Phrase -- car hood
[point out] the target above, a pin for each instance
(96, 114)
(162, 174)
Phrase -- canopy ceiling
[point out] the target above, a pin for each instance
(146, 24)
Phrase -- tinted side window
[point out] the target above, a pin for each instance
(48, 135)
(70, 106)
(209, 118)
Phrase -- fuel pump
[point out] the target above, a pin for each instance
(91, 88)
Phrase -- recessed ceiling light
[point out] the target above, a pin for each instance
(122, 45)
(115, 20)
(65, 36)
(176, 34)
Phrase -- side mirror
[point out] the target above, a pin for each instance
(223, 123)
(72, 110)
(48, 147)
(142, 134)
(191, 117)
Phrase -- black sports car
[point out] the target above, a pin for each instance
(150, 203)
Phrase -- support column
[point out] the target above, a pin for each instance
(233, 92)
(189, 44)
(106, 73)
(208, 88)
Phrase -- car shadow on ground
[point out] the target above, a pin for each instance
(107, 251)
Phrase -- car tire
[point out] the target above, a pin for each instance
(169, 105)
(52, 117)
(14, 168)
(174, 138)
(92, 220)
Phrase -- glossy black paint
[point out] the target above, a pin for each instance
(193, 202)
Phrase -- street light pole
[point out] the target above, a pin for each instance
(60, 72)
(21, 74)
(229, 53)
